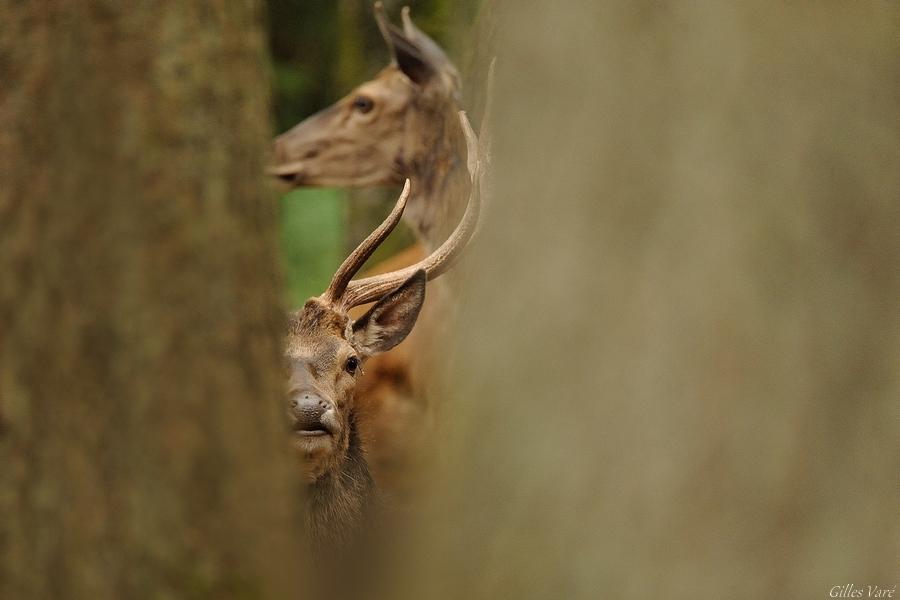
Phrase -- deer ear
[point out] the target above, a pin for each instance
(405, 52)
(411, 60)
(428, 48)
(392, 318)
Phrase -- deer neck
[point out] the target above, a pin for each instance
(340, 503)
(435, 162)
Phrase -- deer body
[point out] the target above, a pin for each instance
(403, 124)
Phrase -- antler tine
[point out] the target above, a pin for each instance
(338, 286)
(371, 288)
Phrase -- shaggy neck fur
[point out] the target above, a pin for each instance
(340, 504)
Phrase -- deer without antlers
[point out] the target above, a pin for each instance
(401, 124)
(325, 350)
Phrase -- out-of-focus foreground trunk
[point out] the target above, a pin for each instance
(687, 384)
(142, 450)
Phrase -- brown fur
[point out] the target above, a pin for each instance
(412, 130)
(321, 340)
(341, 493)
(343, 503)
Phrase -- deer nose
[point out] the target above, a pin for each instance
(308, 409)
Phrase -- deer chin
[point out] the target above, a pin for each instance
(316, 451)
(318, 443)
(313, 446)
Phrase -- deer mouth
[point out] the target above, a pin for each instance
(311, 432)
(315, 441)
(311, 428)
(291, 173)
(315, 424)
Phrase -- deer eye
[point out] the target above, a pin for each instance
(363, 104)
(352, 365)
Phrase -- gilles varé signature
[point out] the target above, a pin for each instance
(850, 590)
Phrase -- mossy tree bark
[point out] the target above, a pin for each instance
(141, 438)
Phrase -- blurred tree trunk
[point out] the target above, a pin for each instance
(479, 51)
(141, 436)
(679, 369)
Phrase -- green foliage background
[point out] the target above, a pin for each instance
(312, 223)
(320, 50)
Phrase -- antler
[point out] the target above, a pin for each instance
(335, 292)
(353, 293)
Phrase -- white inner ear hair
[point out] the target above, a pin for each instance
(348, 331)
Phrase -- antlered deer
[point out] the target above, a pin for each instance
(325, 350)
(402, 124)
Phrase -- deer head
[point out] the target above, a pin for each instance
(326, 349)
(377, 133)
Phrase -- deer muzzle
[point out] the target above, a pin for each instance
(312, 415)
